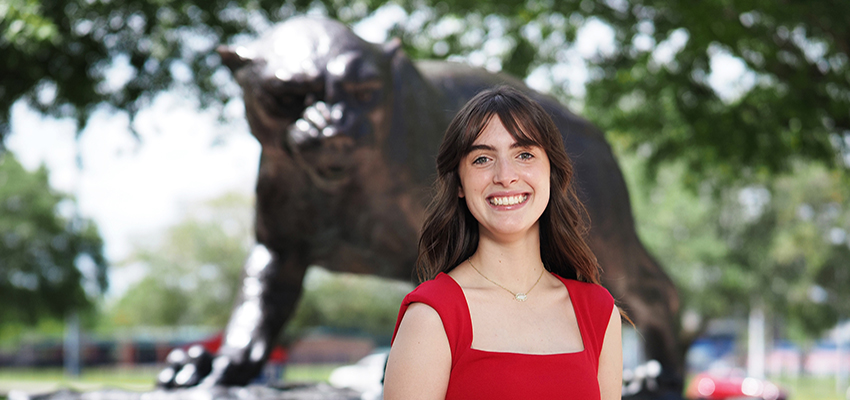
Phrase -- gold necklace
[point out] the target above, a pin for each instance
(517, 296)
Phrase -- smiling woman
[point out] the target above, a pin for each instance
(505, 213)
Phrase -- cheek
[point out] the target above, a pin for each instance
(543, 184)
(547, 196)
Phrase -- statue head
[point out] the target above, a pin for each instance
(315, 91)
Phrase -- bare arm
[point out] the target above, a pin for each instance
(420, 359)
(610, 374)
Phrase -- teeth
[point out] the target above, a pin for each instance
(508, 201)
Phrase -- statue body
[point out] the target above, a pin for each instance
(349, 131)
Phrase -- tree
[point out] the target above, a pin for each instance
(782, 242)
(51, 259)
(651, 86)
(193, 269)
(792, 99)
(808, 217)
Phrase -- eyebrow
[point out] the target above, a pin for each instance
(491, 148)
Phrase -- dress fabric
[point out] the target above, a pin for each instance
(479, 374)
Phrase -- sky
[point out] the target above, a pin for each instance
(134, 188)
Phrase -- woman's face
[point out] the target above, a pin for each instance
(506, 186)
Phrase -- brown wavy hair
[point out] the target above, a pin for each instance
(450, 233)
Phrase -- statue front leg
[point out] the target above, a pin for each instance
(270, 290)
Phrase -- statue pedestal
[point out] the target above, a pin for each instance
(312, 391)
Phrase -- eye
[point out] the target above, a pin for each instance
(479, 160)
(525, 155)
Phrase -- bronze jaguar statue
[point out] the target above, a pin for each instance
(349, 130)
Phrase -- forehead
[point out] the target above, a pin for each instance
(496, 132)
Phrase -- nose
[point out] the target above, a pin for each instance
(505, 172)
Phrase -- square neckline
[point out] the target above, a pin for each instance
(510, 353)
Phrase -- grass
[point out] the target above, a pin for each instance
(308, 372)
(127, 378)
(810, 388)
(50, 379)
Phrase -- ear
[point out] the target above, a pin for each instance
(460, 191)
(235, 58)
(392, 48)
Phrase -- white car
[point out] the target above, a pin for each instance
(365, 376)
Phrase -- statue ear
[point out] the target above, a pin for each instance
(392, 48)
(235, 58)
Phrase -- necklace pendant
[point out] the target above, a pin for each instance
(521, 296)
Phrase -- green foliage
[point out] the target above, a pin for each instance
(810, 246)
(653, 86)
(781, 242)
(193, 270)
(348, 303)
(51, 260)
(796, 59)
(680, 228)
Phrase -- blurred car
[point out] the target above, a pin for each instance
(366, 376)
(732, 384)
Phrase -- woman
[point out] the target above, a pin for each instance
(512, 307)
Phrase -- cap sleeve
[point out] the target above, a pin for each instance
(446, 297)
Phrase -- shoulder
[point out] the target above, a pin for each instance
(421, 317)
(590, 296)
(597, 293)
(441, 293)
(432, 290)
(589, 293)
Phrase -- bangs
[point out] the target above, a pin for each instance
(520, 131)
(520, 126)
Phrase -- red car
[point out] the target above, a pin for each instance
(732, 385)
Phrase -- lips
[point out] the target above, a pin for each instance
(506, 201)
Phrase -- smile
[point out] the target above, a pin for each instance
(508, 200)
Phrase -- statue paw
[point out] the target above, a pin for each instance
(185, 368)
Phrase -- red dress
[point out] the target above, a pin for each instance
(478, 374)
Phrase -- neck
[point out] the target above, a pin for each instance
(510, 262)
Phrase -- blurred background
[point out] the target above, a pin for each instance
(127, 171)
